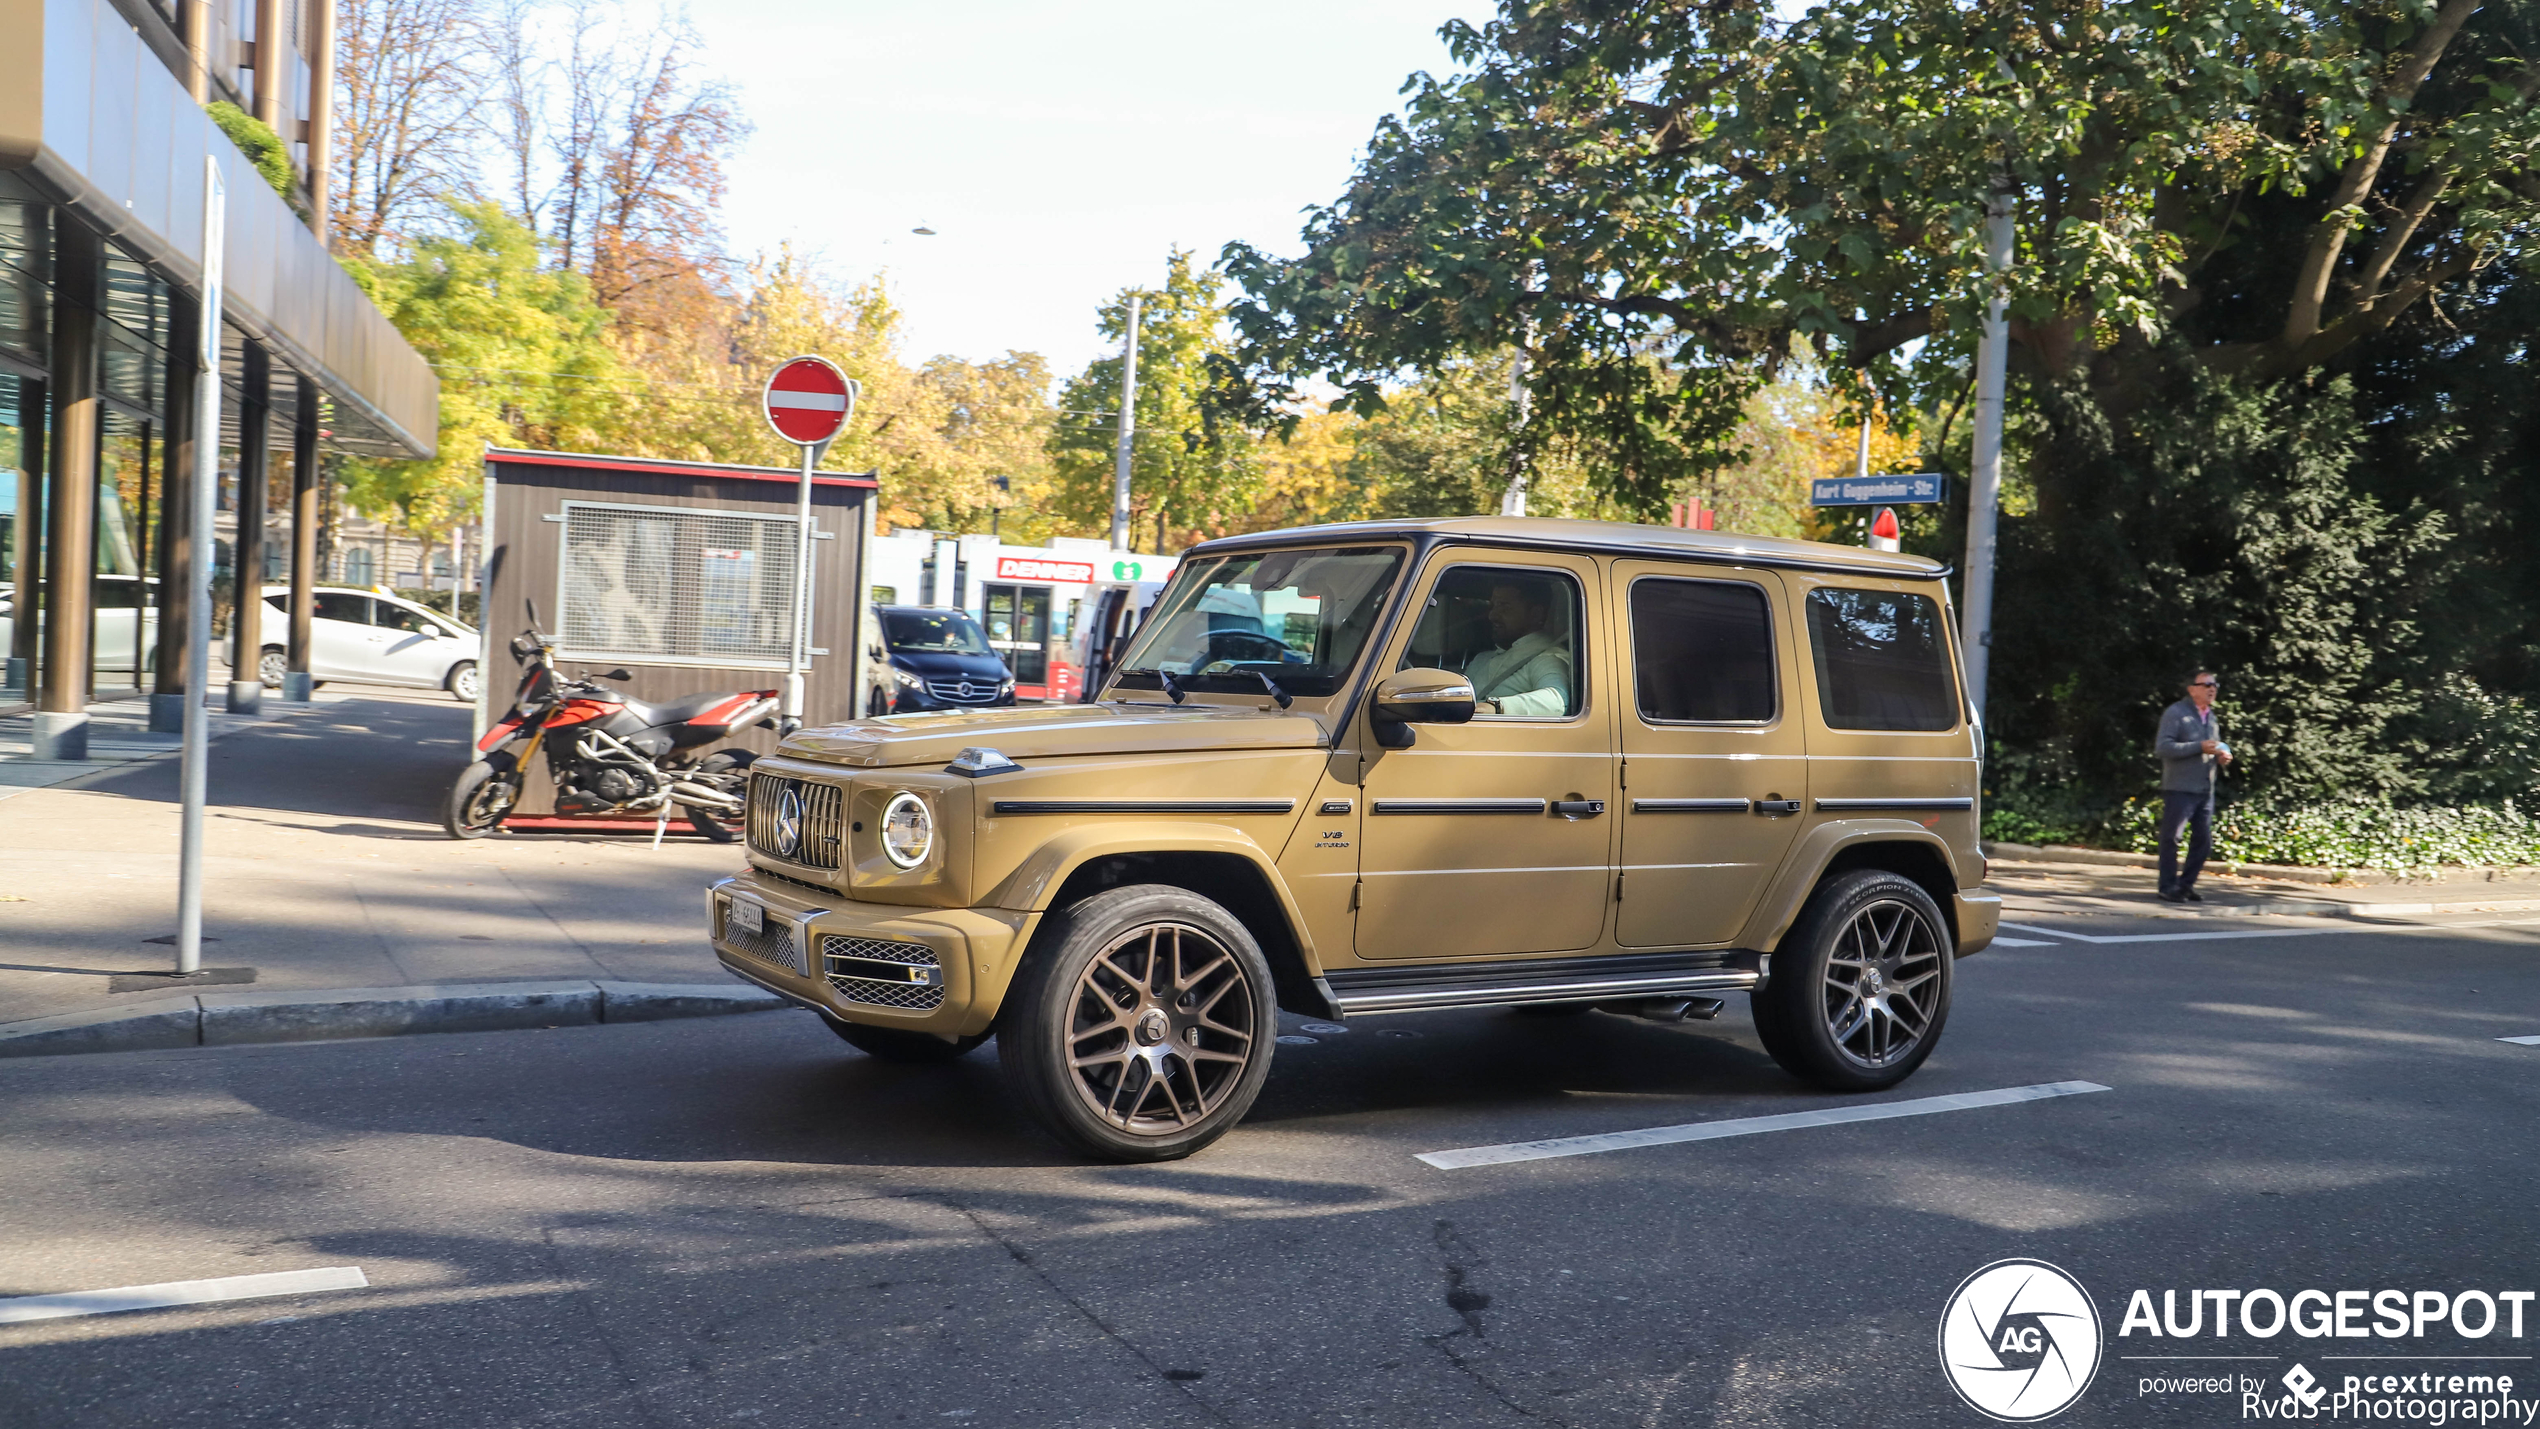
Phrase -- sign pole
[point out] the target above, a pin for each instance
(194, 775)
(807, 402)
(1128, 430)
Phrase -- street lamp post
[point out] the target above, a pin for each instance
(1984, 496)
(1128, 429)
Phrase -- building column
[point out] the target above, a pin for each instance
(296, 684)
(70, 541)
(176, 520)
(321, 115)
(194, 22)
(34, 421)
(268, 51)
(247, 578)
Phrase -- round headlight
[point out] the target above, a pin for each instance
(908, 830)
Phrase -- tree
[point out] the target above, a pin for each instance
(2224, 208)
(1191, 464)
(521, 352)
(407, 76)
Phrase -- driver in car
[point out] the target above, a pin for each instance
(1529, 674)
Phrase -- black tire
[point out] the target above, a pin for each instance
(484, 796)
(1864, 928)
(877, 704)
(1089, 988)
(898, 1044)
(272, 663)
(722, 828)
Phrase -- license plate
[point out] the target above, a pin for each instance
(742, 916)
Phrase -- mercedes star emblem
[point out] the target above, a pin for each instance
(789, 822)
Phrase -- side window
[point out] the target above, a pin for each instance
(1702, 652)
(1882, 660)
(351, 609)
(397, 617)
(1514, 632)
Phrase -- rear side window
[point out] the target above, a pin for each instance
(351, 609)
(1702, 652)
(1882, 661)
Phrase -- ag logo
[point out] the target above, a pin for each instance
(2019, 1341)
(789, 822)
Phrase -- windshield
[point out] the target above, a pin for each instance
(1300, 617)
(933, 632)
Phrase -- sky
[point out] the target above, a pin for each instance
(1058, 150)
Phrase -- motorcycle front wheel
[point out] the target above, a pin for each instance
(482, 798)
(727, 770)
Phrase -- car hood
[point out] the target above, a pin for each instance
(1028, 732)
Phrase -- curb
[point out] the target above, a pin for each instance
(223, 1019)
(2283, 872)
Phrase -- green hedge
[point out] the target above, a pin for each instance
(2351, 834)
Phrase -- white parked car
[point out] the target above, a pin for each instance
(376, 639)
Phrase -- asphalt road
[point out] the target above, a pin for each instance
(741, 1221)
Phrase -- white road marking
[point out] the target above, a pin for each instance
(180, 1292)
(1745, 1126)
(2184, 937)
(2001, 942)
(2521, 1041)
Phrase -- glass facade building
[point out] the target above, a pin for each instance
(105, 159)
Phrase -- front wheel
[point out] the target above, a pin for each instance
(729, 771)
(1860, 988)
(482, 798)
(464, 682)
(1140, 1025)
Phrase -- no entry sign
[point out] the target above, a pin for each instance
(809, 400)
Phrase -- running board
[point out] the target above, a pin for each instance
(1358, 990)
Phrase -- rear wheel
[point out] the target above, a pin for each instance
(482, 798)
(1140, 1026)
(464, 681)
(898, 1044)
(729, 771)
(271, 665)
(1860, 988)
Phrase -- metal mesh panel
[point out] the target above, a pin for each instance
(818, 810)
(840, 954)
(776, 945)
(660, 583)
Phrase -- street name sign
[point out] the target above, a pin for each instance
(1899, 489)
(808, 401)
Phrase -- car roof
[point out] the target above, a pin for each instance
(1599, 537)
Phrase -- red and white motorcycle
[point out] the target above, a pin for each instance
(610, 752)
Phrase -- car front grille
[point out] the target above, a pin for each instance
(963, 692)
(816, 812)
(883, 974)
(776, 945)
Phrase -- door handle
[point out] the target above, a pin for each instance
(1578, 808)
(1777, 806)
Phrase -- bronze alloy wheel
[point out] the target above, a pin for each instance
(1160, 1029)
(1859, 987)
(1881, 987)
(1139, 1027)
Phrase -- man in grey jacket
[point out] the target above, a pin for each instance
(2192, 751)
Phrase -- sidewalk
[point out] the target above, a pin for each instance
(119, 733)
(325, 870)
(2046, 886)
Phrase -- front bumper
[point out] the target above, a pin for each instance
(1979, 918)
(938, 970)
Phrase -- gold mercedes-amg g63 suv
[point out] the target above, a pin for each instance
(1391, 767)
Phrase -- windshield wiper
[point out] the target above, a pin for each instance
(1165, 678)
(1283, 697)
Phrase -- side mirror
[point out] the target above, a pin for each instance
(618, 674)
(1408, 697)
